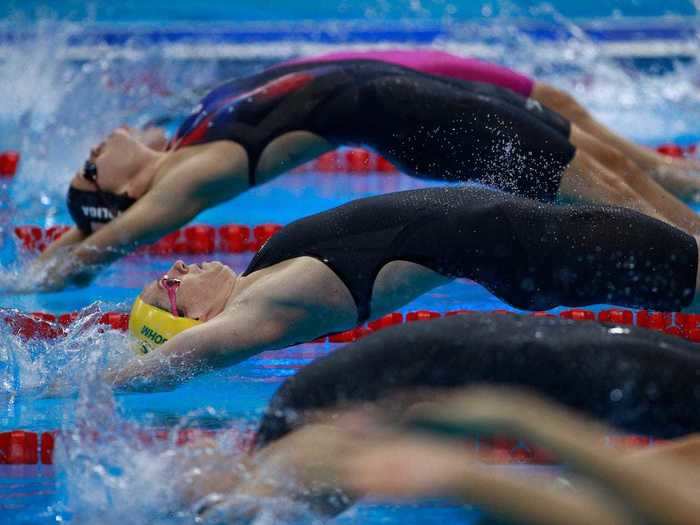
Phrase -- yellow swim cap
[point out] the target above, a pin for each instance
(152, 326)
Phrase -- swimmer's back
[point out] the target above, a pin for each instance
(435, 62)
(436, 127)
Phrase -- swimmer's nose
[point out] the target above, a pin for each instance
(180, 267)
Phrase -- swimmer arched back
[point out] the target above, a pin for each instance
(342, 101)
(533, 257)
(431, 127)
(361, 260)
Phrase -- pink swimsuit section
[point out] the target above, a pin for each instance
(438, 63)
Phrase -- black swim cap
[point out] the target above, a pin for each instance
(90, 207)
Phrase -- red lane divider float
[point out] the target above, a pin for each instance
(9, 160)
(344, 160)
(42, 325)
(21, 447)
(348, 160)
(47, 326)
(675, 150)
(198, 239)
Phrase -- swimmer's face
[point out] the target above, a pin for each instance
(202, 294)
(116, 159)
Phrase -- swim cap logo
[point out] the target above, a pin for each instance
(154, 336)
(100, 213)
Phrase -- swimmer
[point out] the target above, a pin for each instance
(636, 380)
(678, 176)
(418, 453)
(330, 271)
(252, 129)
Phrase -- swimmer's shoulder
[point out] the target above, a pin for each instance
(211, 160)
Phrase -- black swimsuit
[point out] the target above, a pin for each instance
(429, 126)
(532, 255)
(635, 379)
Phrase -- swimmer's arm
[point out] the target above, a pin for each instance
(404, 466)
(245, 329)
(221, 342)
(194, 185)
(69, 238)
(652, 495)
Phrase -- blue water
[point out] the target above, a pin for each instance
(73, 101)
(250, 10)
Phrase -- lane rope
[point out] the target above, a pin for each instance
(44, 325)
(23, 447)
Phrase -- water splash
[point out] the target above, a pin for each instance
(113, 471)
(59, 106)
(57, 366)
(106, 474)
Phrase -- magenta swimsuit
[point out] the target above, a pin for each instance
(437, 63)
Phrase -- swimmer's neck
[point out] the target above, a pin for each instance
(243, 285)
(147, 176)
(257, 286)
(222, 161)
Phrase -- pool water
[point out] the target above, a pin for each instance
(74, 101)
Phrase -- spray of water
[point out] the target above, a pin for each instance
(113, 471)
(57, 366)
(57, 106)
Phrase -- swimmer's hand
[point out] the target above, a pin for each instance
(58, 272)
(26, 279)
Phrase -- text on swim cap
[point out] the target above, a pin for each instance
(97, 212)
(154, 336)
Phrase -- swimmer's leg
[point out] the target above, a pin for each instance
(636, 177)
(600, 174)
(673, 174)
